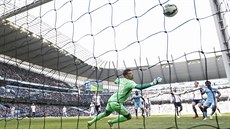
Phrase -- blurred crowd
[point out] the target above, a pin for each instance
(20, 74)
(19, 88)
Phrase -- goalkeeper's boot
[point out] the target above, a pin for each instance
(110, 124)
(89, 124)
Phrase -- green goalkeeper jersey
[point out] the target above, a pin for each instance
(124, 90)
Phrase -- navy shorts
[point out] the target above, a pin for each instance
(197, 101)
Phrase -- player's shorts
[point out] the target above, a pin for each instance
(98, 108)
(209, 103)
(177, 104)
(137, 105)
(33, 113)
(197, 101)
(147, 105)
(119, 108)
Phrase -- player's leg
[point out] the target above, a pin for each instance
(205, 113)
(90, 113)
(218, 110)
(176, 109)
(217, 107)
(181, 107)
(142, 109)
(107, 112)
(194, 109)
(213, 110)
(97, 109)
(123, 116)
(149, 110)
(206, 105)
(33, 114)
(200, 105)
(136, 113)
(143, 112)
(98, 117)
(136, 109)
(146, 111)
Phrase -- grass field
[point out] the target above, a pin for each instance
(153, 122)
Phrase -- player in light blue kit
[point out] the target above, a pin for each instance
(137, 103)
(211, 99)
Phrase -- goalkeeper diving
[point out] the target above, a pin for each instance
(116, 101)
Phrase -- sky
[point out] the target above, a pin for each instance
(119, 44)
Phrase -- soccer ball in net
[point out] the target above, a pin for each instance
(170, 10)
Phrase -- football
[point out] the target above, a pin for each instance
(170, 10)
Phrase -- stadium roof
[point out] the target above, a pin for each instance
(25, 46)
(25, 43)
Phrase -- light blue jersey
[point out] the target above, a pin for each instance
(137, 101)
(137, 98)
(211, 93)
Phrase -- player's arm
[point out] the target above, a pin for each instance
(174, 93)
(202, 91)
(143, 99)
(180, 93)
(177, 93)
(156, 95)
(194, 89)
(218, 95)
(147, 85)
(193, 95)
(132, 98)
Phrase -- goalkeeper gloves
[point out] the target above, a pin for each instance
(156, 81)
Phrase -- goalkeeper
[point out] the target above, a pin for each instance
(115, 102)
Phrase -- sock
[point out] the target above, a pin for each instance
(181, 108)
(201, 109)
(213, 111)
(100, 116)
(177, 112)
(194, 109)
(205, 114)
(218, 110)
(120, 118)
(142, 111)
(136, 112)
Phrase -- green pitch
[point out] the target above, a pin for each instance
(153, 122)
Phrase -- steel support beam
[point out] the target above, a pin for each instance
(24, 8)
(220, 23)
